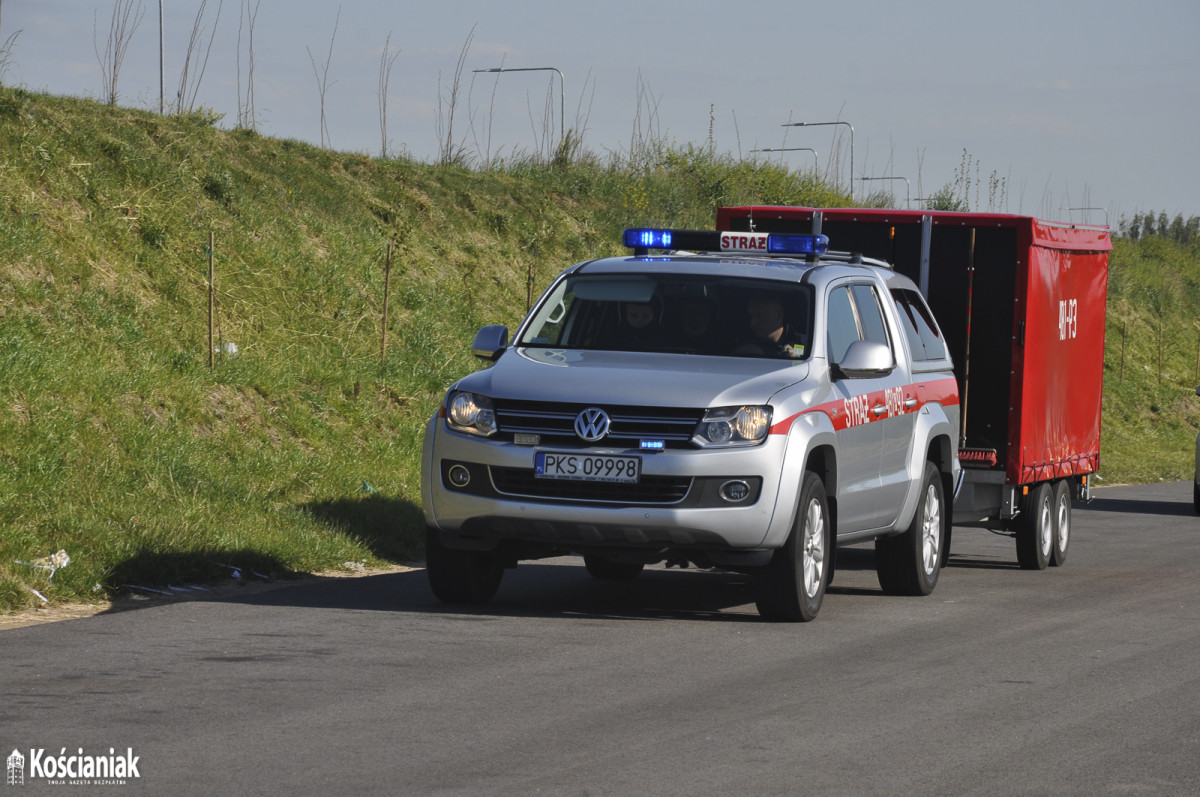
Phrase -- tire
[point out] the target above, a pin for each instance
(791, 587)
(608, 570)
(1062, 523)
(461, 576)
(909, 563)
(1035, 528)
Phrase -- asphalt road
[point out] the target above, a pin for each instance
(1080, 680)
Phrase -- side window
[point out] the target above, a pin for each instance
(870, 314)
(924, 337)
(843, 326)
(854, 314)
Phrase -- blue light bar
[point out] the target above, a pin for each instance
(648, 239)
(653, 445)
(796, 244)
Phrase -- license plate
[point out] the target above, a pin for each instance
(587, 467)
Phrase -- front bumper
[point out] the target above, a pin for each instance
(678, 503)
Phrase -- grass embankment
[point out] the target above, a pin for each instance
(1151, 414)
(300, 452)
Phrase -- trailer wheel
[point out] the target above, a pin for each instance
(1062, 522)
(1035, 528)
(909, 563)
(791, 586)
(461, 576)
(608, 570)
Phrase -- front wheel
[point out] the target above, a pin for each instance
(1035, 528)
(791, 587)
(461, 576)
(909, 563)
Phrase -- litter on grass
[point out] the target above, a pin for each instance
(53, 563)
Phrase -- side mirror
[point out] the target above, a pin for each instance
(865, 358)
(490, 342)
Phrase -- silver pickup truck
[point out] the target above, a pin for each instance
(743, 401)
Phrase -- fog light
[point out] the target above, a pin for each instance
(459, 476)
(735, 491)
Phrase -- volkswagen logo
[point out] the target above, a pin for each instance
(592, 424)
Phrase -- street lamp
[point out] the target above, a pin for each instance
(562, 91)
(792, 149)
(907, 187)
(1105, 210)
(822, 124)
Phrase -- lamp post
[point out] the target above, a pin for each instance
(907, 187)
(823, 124)
(562, 90)
(792, 149)
(1104, 210)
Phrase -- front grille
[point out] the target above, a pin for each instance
(629, 424)
(650, 490)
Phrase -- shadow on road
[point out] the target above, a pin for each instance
(1140, 507)
(536, 590)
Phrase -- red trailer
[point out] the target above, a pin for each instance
(1021, 302)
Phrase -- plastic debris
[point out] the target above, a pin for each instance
(357, 567)
(40, 595)
(53, 563)
(368, 489)
(146, 589)
(226, 348)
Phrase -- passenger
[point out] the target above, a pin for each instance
(637, 328)
(772, 335)
(695, 331)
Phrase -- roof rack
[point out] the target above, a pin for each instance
(856, 259)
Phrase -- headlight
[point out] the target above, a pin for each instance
(733, 426)
(471, 413)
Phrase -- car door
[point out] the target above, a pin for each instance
(871, 484)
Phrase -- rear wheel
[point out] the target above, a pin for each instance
(461, 576)
(909, 563)
(791, 587)
(1035, 528)
(1062, 523)
(608, 570)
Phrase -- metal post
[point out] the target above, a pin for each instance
(816, 157)
(161, 92)
(562, 91)
(387, 284)
(907, 187)
(212, 300)
(822, 124)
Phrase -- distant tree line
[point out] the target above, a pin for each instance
(1152, 225)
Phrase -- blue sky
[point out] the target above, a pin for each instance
(1072, 104)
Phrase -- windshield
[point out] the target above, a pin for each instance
(686, 314)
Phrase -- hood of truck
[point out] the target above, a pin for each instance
(634, 378)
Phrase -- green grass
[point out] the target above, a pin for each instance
(1150, 416)
(301, 452)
